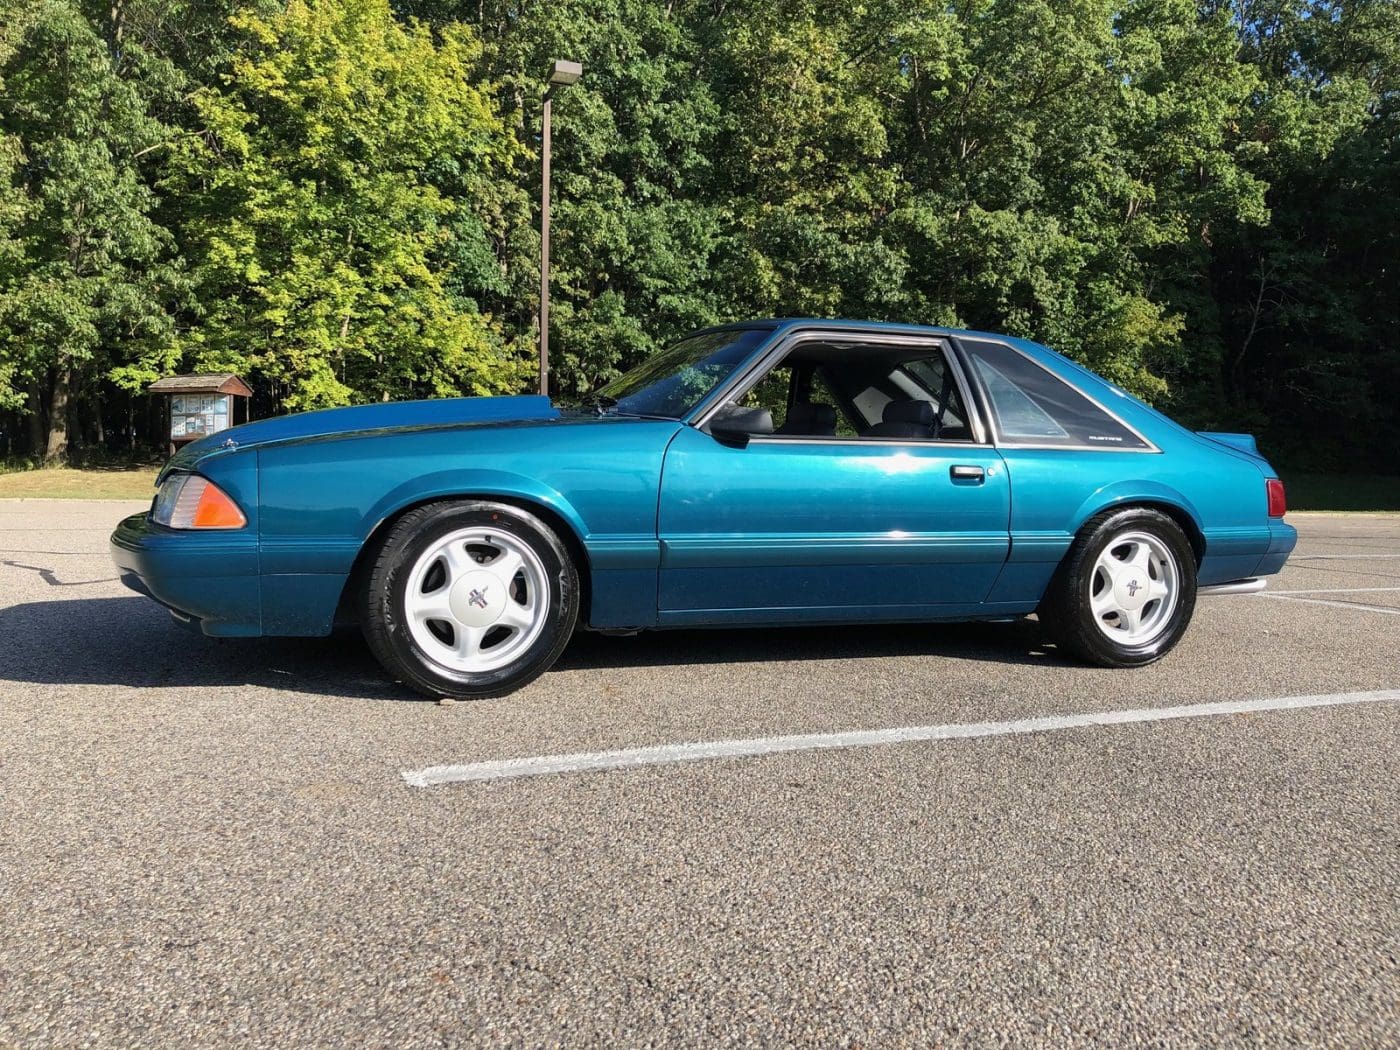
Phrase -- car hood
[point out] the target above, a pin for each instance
(363, 419)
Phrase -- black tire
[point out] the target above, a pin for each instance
(1065, 610)
(384, 620)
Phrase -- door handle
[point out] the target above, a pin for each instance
(963, 472)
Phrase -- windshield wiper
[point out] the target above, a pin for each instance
(600, 403)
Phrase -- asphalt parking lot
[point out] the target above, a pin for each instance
(208, 842)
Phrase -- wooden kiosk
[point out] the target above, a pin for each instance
(201, 405)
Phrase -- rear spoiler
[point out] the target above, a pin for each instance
(1243, 442)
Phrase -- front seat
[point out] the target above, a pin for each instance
(904, 419)
(805, 419)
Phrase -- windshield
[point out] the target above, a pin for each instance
(677, 379)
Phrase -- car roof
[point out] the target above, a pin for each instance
(828, 323)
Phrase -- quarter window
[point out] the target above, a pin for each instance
(1032, 406)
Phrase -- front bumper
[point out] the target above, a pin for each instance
(206, 579)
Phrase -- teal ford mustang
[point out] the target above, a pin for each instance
(773, 472)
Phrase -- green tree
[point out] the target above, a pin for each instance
(635, 224)
(809, 169)
(86, 274)
(1034, 167)
(324, 240)
(1194, 197)
(1305, 308)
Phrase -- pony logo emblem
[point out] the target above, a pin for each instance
(1133, 587)
(477, 598)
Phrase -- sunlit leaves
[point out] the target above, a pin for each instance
(329, 199)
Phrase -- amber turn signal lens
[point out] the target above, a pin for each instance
(216, 510)
(188, 501)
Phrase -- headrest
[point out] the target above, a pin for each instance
(811, 417)
(919, 413)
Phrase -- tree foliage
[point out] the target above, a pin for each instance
(86, 274)
(327, 197)
(339, 200)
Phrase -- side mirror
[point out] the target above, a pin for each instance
(733, 425)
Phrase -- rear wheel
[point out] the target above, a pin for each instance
(1124, 595)
(470, 599)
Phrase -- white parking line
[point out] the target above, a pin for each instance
(1338, 590)
(631, 758)
(1340, 557)
(1357, 606)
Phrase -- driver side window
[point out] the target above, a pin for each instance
(917, 398)
(822, 394)
(862, 389)
(771, 392)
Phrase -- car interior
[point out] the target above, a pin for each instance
(862, 390)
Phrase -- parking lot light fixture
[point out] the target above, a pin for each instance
(565, 73)
(561, 75)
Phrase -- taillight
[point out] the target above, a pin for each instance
(187, 501)
(1278, 502)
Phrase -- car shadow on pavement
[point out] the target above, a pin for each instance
(1018, 642)
(133, 642)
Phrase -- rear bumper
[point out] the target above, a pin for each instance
(1240, 552)
(207, 580)
(1282, 539)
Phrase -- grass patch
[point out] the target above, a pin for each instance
(71, 483)
(1342, 491)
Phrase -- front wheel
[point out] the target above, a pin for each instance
(1124, 595)
(469, 599)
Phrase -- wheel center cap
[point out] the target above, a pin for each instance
(1130, 590)
(477, 598)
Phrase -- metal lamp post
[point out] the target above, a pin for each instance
(562, 75)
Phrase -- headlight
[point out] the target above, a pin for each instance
(187, 501)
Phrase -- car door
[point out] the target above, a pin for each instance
(801, 528)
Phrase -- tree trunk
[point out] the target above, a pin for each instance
(116, 22)
(57, 447)
(34, 418)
